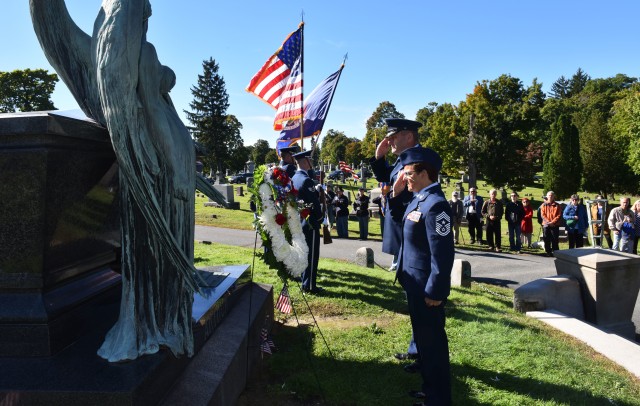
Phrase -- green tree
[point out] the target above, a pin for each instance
(353, 152)
(260, 150)
(272, 157)
(210, 124)
(560, 88)
(26, 90)
(625, 126)
(507, 120)
(446, 134)
(578, 82)
(334, 147)
(376, 126)
(563, 170)
(604, 156)
(239, 156)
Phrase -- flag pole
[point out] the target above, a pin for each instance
(302, 83)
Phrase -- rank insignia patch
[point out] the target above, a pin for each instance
(443, 224)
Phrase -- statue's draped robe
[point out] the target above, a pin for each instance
(118, 81)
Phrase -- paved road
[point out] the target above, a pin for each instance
(502, 269)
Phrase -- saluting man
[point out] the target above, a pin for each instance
(287, 162)
(401, 135)
(311, 225)
(424, 269)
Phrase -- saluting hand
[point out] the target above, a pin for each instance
(399, 184)
(383, 148)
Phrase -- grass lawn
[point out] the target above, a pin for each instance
(498, 356)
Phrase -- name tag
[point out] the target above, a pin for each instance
(414, 216)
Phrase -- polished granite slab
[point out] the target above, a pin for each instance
(78, 376)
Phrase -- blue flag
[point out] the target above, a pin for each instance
(316, 107)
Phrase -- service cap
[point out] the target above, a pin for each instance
(421, 154)
(302, 154)
(291, 149)
(395, 125)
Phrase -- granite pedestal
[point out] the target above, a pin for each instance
(78, 376)
(59, 230)
(609, 282)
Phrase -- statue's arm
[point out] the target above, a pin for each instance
(68, 50)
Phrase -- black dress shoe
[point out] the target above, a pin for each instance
(412, 368)
(403, 356)
(417, 394)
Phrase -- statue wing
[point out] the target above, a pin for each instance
(119, 35)
(68, 50)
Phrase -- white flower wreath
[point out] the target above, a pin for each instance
(294, 255)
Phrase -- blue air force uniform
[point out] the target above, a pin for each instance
(395, 206)
(386, 173)
(311, 226)
(424, 270)
(290, 169)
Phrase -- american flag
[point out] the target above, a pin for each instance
(284, 301)
(270, 81)
(266, 344)
(290, 104)
(346, 168)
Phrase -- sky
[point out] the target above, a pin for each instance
(409, 52)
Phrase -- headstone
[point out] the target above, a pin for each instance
(226, 191)
(461, 273)
(239, 191)
(609, 281)
(460, 190)
(364, 257)
(561, 292)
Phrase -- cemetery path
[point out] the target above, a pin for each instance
(503, 269)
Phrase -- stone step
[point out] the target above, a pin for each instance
(619, 350)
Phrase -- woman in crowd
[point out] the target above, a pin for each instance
(575, 217)
(526, 225)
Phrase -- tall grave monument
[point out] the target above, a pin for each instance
(101, 217)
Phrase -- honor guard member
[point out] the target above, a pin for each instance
(401, 135)
(287, 162)
(311, 225)
(424, 269)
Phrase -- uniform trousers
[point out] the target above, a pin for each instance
(428, 325)
(310, 274)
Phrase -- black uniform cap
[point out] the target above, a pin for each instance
(303, 154)
(291, 149)
(395, 125)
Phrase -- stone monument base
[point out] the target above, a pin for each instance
(226, 348)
